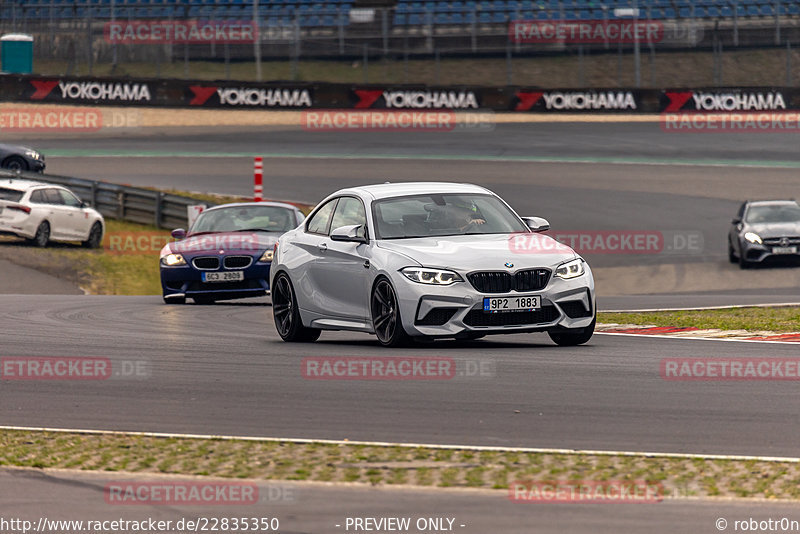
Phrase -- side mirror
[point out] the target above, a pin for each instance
(536, 224)
(86, 204)
(178, 233)
(736, 220)
(354, 233)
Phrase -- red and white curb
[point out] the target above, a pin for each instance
(691, 332)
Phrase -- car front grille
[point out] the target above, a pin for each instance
(545, 314)
(503, 282)
(237, 262)
(436, 317)
(206, 263)
(778, 241)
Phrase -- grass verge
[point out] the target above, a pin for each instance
(780, 319)
(390, 465)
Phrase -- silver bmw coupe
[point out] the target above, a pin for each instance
(410, 261)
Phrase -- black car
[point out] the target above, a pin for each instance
(15, 157)
(763, 230)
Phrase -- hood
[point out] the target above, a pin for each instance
(227, 243)
(483, 252)
(791, 229)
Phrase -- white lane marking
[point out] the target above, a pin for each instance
(696, 338)
(426, 445)
(701, 308)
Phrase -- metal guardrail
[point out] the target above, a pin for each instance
(134, 204)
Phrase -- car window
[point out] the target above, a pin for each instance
(10, 194)
(52, 196)
(69, 199)
(773, 213)
(318, 223)
(37, 197)
(349, 211)
(441, 215)
(239, 218)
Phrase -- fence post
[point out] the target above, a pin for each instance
(777, 23)
(366, 64)
(121, 205)
(788, 64)
(159, 206)
(258, 179)
(94, 195)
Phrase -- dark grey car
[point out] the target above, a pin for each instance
(763, 230)
(15, 157)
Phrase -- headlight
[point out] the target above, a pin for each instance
(753, 237)
(173, 260)
(33, 154)
(570, 269)
(438, 277)
(267, 256)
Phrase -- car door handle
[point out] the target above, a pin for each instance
(322, 246)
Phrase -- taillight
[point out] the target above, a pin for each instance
(19, 207)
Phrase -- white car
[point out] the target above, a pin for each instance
(42, 212)
(427, 260)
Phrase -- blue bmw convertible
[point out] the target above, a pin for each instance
(227, 252)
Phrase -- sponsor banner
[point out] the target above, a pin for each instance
(260, 96)
(77, 91)
(725, 100)
(623, 31)
(180, 32)
(415, 98)
(586, 491)
(564, 100)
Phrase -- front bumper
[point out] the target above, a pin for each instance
(756, 253)
(187, 281)
(457, 310)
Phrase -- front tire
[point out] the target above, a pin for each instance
(95, 236)
(286, 313)
(15, 163)
(573, 336)
(386, 316)
(42, 236)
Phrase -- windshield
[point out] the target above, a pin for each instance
(773, 213)
(239, 218)
(443, 215)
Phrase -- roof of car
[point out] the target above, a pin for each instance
(20, 184)
(249, 204)
(388, 189)
(770, 202)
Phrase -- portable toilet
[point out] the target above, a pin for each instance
(16, 53)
